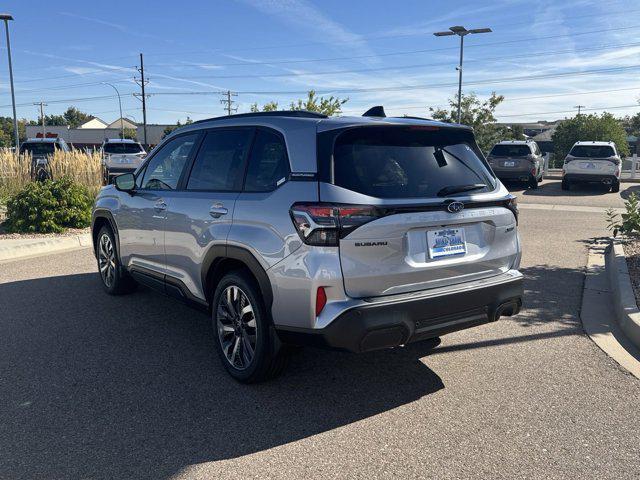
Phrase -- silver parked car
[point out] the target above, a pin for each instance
(292, 228)
(517, 160)
(120, 156)
(592, 162)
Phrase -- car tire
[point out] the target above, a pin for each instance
(565, 184)
(533, 183)
(615, 187)
(114, 279)
(244, 335)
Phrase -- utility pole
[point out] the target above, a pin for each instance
(142, 82)
(461, 32)
(6, 17)
(42, 105)
(579, 107)
(228, 102)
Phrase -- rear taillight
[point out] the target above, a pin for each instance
(616, 161)
(512, 204)
(324, 224)
(568, 158)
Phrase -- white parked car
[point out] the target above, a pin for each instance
(120, 156)
(594, 162)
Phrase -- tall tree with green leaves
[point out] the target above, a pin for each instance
(595, 127)
(479, 114)
(328, 106)
(75, 117)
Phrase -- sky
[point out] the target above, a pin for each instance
(545, 56)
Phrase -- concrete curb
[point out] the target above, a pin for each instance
(17, 249)
(599, 320)
(624, 300)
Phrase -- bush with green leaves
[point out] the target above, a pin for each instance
(629, 222)
(49, 207)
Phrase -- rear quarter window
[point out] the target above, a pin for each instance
(406, 162)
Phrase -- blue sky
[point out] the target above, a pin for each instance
(372, 51)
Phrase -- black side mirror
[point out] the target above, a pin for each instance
(125, 182)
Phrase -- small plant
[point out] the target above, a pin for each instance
(49, 207)
(627, 223)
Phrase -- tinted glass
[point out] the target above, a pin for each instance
(164, 169)
(510, 151)
(592, 151)
(268, 164)
(407, 162)
(122, 148)
(219, 165)
(37, 148)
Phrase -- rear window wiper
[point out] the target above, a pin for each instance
(443, 192)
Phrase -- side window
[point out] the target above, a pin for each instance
(268, 164)
(164, 169)
(219, 165)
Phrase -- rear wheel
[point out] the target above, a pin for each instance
(615, 186)
(533, 182)
(114, 279)
(245, 337)
(565, 184)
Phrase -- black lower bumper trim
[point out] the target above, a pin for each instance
(389, 324)
(587, 178)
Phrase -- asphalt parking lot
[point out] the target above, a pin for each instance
(129, 387)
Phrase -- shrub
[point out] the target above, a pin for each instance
(49, 207)
(630, 223)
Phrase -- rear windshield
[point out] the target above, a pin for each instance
(510, 151)
(592, 151)
(37, 148)
(122, 148)
(407, 162)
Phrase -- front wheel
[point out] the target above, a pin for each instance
(245, 338)
(114, 280)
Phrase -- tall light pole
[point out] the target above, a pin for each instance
(120, 105)
(6, 17)
(461, 32)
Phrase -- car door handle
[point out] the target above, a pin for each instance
(217, 210)
(160, 205)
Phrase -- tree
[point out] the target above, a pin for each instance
(74, 117)
(631, 124)
(131, 133)
(481, 116)
(327, 106)
(171, 128)
(603, 127)
(6, 131)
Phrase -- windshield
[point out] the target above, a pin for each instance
(592, 151)
(122, 148)
(37, 148)
(502, 150)
(407, 162)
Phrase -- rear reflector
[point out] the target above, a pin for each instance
(321, 300)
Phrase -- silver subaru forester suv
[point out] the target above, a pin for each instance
(293, 228)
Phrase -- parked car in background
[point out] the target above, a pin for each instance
(517, 160)
(355, 233)
(593, 162)
(120, 156)
(41, 149)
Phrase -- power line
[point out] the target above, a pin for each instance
(569, 111)
(406, 52)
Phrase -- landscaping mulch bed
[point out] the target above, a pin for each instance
(632, 253)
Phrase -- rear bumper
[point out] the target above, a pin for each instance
(398, 320)
(523, 175)
(587, 177)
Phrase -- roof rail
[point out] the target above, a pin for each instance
(274, 113)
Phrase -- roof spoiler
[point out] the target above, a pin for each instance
(377, 111)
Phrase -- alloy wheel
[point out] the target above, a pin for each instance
(237, 327)
(106, 260)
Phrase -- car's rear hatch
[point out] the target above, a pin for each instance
(510, 163)
(412, 238)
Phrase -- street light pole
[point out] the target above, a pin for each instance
(120, 105)
(6, 17)
(461, 32)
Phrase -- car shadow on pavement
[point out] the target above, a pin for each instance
(130, 387)
(554, 189)
(626, 193)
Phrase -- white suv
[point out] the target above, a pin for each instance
(597, 162)
(120, 156)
